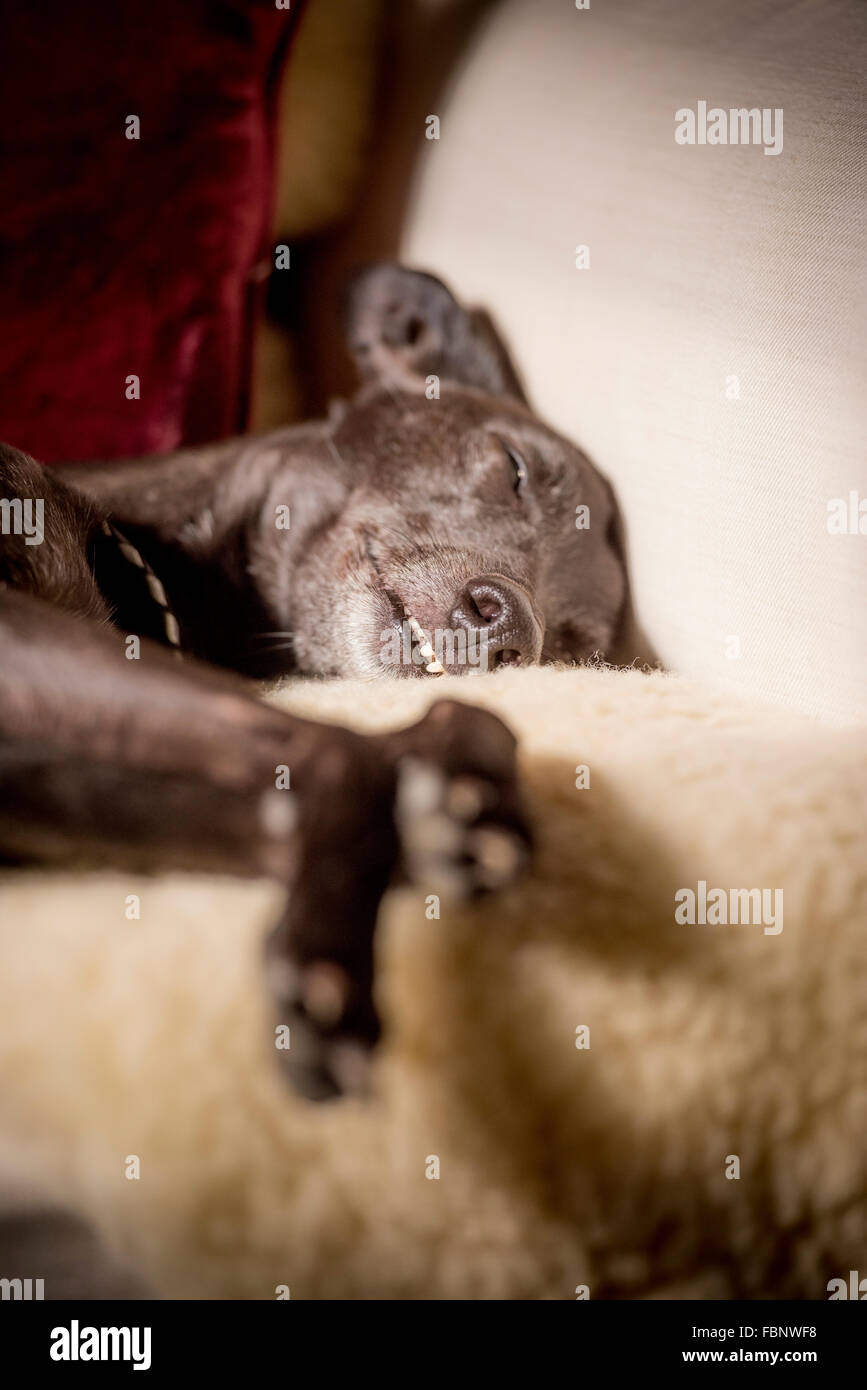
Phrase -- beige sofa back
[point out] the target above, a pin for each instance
(711, 356)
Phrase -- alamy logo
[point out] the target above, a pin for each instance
(76, 1343)
(847, 517)
(411, 645)
(25, 1290)
(856, 1288)
(738, 126)
(718, 907)
(23, 516)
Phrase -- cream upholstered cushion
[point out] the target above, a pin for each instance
(707, 264)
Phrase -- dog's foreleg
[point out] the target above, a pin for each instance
(151, 763)
(148, 763)
(67, 809)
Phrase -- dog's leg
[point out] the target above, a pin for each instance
(459, 810)
(153, 764)
(148, 763)
(459, 829)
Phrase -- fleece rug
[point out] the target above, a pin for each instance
(597, 1083)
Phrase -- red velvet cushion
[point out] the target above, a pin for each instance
(127, 257)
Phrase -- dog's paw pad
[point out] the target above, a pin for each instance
(322, 1059)
(324, 989)
(451, 839)
(468, 797)
(498, 855)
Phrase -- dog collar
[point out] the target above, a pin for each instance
(154, 585)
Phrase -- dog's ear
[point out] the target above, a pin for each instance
(404, 324)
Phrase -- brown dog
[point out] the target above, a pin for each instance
(432, 524)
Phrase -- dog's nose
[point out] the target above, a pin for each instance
(502, 614)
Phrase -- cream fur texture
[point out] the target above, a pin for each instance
(560, 1168)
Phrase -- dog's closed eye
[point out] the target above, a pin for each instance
(520, 472)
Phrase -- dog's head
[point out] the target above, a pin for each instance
(449, 529)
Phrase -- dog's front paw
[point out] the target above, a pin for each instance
(327, 1027)
(440, 802)
(458, 809)
(320, 957)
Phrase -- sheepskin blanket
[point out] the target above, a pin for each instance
(581, 1092)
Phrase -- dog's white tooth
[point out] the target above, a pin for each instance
(427, 651)
(416, 627)
(435, 669)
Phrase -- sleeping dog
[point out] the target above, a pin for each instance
(430, 525)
